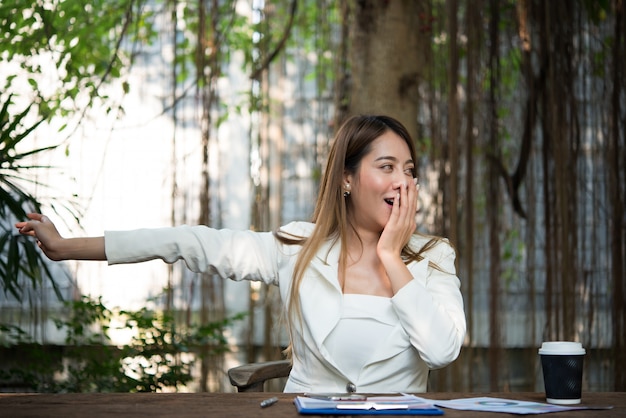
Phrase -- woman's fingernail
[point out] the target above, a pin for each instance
(415, 180)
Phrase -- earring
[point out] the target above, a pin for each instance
(346, 190)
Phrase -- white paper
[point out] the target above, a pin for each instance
(510, 406)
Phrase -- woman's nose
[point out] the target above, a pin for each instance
(399, 183)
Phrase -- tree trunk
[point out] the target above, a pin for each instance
(211, 286)
(472, 22)
(616, 186)
(493, 205)
(385, 59)
(453, 121)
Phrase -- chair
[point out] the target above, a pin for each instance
(252, 377)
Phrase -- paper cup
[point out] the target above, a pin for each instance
(562, 364)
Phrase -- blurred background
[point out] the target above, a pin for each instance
(123, 114)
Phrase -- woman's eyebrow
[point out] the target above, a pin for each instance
(392, 158)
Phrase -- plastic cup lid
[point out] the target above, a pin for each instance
(561, 347)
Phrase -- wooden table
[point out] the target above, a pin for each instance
(96, 405)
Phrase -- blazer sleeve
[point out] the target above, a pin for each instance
(236, 255)
(430, 308)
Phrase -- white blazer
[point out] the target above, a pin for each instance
(431, 321)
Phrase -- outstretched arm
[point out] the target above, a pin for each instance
(55, 246)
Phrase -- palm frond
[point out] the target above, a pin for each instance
(21, 261)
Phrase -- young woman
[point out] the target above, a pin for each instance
(371, 305)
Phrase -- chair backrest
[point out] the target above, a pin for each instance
(252, 377)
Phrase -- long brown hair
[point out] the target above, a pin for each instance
(352, 142)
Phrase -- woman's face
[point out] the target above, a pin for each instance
(377, 181)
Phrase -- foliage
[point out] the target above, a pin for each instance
(69, 49)
(22, 255)
(159, 355)
(56, 56)
(39, 364)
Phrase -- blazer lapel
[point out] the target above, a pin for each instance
(321, 308)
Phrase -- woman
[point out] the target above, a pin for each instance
(371, 305)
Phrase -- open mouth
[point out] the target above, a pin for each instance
(389, 202)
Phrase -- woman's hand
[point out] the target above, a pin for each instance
(57, 248)
(396, 234)
(401, 224)
(41, 228)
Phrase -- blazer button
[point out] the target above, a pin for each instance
(350, 387)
